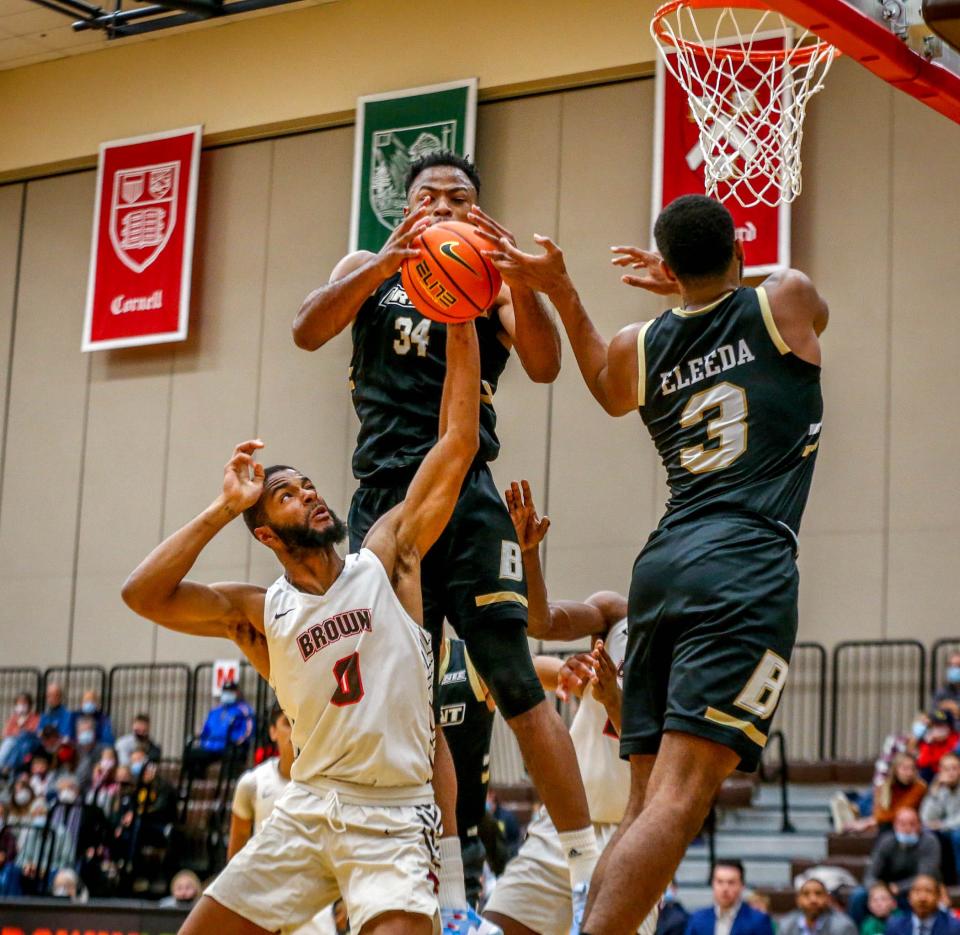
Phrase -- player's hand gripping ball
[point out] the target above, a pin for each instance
(451, 280)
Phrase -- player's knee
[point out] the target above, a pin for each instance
(517, 695)
(501, 654)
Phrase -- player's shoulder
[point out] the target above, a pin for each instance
(351, 262)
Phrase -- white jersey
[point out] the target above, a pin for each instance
(606, 778)
(257, 790)
(354, 674)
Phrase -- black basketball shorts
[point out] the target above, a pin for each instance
(712, 623)
(473, 577)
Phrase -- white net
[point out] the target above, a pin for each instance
(748, 84)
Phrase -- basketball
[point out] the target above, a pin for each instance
(451, 280)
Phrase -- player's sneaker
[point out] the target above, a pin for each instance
(579, 894)
(466, 922)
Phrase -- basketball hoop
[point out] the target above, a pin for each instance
(747, 97)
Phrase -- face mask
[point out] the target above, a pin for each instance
(61, 893)
(136, 768)
(953, 675)
(86, 737)
(22, 797)
(39, 821)
(907, 839)
(68, 796)
(228, 697)
(21, 709)
(89, 707)
(918, 729)
(107, 765)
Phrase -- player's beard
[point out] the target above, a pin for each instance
(299, 538)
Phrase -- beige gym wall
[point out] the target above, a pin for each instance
(105, 453)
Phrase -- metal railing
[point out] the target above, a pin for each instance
(802, 714)
(75, 680)
(162, 691)
(878, 685)
(940, 652)
(17, 679)
(782, 772)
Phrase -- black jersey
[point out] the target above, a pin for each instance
(396, 380)
(735, 415)
(467, 724)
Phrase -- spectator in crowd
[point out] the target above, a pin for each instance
(729, 915)
(88, 749)
(903, 788)
(506, 822)
(137, 739)
(185, 890)
(815, 914)
(673, 917)
(41, 774)
(66, 885)
(60, 751)
(83, 825)
(42, 849)
(103, 786)
(90, 707)
(23, 720)
(156, 800)
(8, 856)
(940, 810)
(940, 739)
(881, 906)
(926, 917)
(947, 696)
(898, 856)
(899, 743)
(230, 724)
(55, 714)
(21, 798)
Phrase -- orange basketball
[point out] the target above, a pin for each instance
(451, 280)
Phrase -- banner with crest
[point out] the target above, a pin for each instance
(393, 130)
(140, 262)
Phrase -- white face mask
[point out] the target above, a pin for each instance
(228, 698)
(20, 708)
(22, 797)
(68, 796)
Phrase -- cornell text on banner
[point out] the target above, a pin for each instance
(142, 251)
(678, 162)
(393, 130)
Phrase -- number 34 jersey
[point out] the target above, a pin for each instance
(354, 674)
(735, 415)
(396, 381)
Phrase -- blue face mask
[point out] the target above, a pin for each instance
(953, 675)
(918, 729)
(86, 737)
(89, 707)
(136, 768)
(228, 698)
(907, 839)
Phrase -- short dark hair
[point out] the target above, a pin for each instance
(442, 157)
(26, 695)
(276, 712)
(256, 515)
(731, 864)
(142, 717)
(695, 236)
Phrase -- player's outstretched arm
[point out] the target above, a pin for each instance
(524, 317)
(326, 311)
(609, 370)
(406, 533)
(156, 590)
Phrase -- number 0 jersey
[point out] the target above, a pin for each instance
(396, 380)
(354, 674)
(735, 415)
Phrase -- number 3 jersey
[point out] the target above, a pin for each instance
(354, 674)
(396, 381)
(735, 415)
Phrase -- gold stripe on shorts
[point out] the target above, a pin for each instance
(728, 720)
(500, 597)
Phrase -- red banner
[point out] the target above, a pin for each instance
(140, 263)
(678, 169)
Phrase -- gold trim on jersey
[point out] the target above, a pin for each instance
(499, 597)
(768, 320)
(487, 395)
(642, 363)
(728, 720)
(693, 312)
(350, 382)
(810, 449)
(445, 662)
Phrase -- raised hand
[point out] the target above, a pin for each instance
(489, 229)
(530, 527)
(539, 272)
(606, 686)
(399, 245)
(653, 279)
(576, 674)
(243, 476)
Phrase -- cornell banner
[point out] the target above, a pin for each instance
(393, 130)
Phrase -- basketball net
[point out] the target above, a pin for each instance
(748, 101)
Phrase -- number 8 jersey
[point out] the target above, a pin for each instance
(354, 674)
(735, 415)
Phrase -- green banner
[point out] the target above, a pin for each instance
(393, 130)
